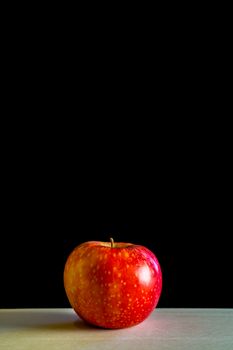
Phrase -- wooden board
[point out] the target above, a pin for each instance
(187, 329)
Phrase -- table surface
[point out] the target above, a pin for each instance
(164, 329)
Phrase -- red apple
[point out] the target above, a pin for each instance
(112, 285)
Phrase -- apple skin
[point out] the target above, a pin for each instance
(112, 285)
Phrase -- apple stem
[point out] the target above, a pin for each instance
(112, 242)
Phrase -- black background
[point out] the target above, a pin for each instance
(123, 148)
